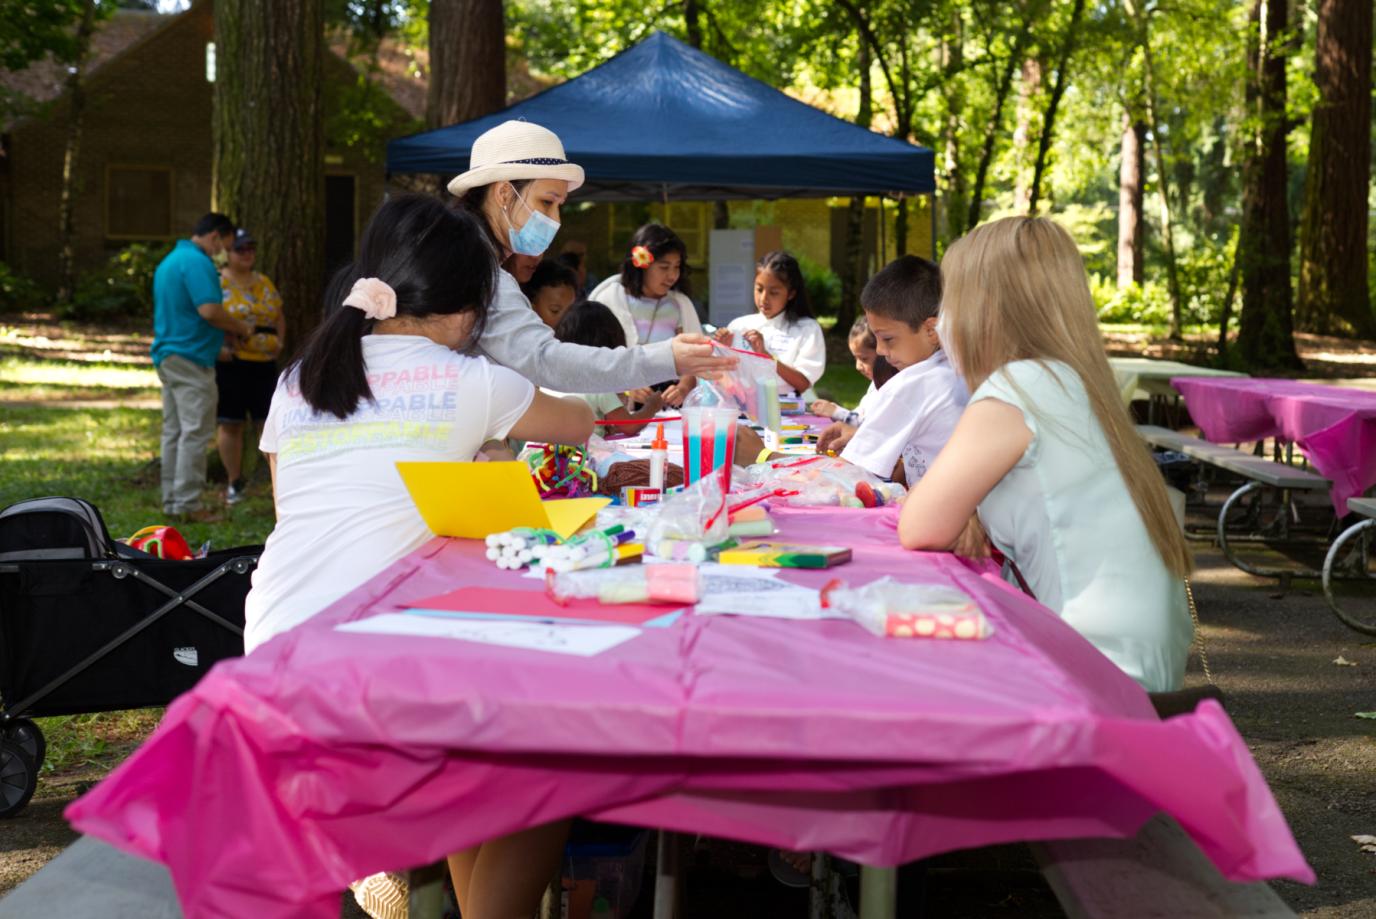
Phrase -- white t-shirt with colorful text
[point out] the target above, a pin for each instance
(343, 513)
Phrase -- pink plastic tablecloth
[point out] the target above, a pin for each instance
(1335, 427)
(325, 756)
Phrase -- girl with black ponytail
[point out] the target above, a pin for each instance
(385, 378)
(388, 378)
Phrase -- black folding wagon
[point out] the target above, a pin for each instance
(88, 624)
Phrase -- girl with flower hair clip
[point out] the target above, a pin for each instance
(650, 298)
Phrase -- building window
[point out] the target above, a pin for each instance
(138, 202)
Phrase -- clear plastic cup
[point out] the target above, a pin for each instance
(709, 442)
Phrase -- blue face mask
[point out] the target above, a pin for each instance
(533, 238)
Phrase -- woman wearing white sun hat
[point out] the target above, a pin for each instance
(518, 178)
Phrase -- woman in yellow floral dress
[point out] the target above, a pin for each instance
(247, 370)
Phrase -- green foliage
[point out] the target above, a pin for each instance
(823, 287)
(122, 288)
(842, 384)
(1204, 271)
(363, 117)
(1148, 305)
(19, 293)
(40, 28)
(939, 67)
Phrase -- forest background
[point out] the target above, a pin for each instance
(1212, 157)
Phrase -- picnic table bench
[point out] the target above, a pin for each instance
(1260, 473)
(1092, 879)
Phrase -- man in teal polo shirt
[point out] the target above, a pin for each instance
(189, 326)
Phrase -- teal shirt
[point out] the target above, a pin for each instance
(185, 279)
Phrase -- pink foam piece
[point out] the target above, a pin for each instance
(531, 600)
(325, 756)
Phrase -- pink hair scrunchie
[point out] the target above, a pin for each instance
(374, 296)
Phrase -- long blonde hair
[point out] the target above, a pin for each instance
(1015, 289)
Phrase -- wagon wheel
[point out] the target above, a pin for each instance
(29, 736)
(18, 778)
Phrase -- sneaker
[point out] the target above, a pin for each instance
(382, 896)
(236, 492)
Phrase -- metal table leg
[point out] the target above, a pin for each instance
(669, 876)
(878, 892)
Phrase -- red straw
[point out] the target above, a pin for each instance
(629, 421)
(776, 493)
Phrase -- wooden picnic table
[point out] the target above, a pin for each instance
(1150, 379)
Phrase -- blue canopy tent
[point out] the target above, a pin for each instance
(663, 120)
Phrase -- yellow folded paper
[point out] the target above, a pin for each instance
(474, 500)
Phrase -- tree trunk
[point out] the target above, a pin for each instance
(955, 199)
(900, 227)
(1130, 221)
(854, 276)
(1053, 104)
(467, 61)
(1028, 87)
(986, 156)
(1265, 334)
(1227, 313)
(1164, 188)
(691, 25)
(1333, 292)
(269, 143)
(76, 111)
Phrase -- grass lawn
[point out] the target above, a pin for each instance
(843, 384)
(27, 378)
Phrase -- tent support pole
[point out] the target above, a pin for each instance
(883, 233)
(931, 206)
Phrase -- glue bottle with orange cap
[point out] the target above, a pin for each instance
(659, 459)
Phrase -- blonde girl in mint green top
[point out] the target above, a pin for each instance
(1045, 458)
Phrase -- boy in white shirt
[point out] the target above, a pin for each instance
(913, 415)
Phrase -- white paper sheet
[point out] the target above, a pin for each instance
(580, 640)
(737, 590)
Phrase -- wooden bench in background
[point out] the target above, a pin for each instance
(1259, 474)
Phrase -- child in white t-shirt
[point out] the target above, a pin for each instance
(594, 325)
(913, 415)
(914, 412)
(383, 380)
(861, 343)
(782, 325)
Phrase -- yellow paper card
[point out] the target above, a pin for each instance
(473, 500)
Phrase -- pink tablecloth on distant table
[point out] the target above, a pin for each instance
(1335, 427)
(325, 756)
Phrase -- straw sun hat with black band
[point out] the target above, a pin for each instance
(513, 151)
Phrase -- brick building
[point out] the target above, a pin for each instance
(144, 170)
